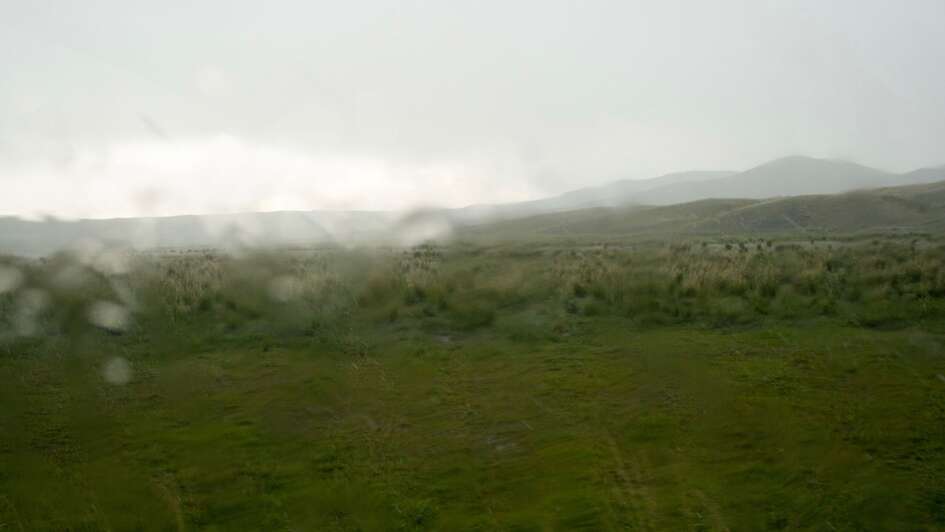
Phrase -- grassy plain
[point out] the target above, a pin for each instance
(725, 385)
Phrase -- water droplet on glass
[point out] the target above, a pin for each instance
(108, 315)
(113, 261)
(422, 226)
(285, 288)
(117, 371)
(10, 279)
(71, 277)
(28, 307)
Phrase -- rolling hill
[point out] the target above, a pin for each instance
(911, 207)
(616, 194)
(787, 176)
(29, 237)
(783, 177)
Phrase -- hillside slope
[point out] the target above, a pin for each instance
(30, 237)
(788, 176)
(783, 177)
(616, 194)
(841, 213)
(915, 207)
(604, 221)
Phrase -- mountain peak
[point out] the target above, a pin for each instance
(804, 167)
(805, 160)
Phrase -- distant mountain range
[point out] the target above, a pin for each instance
(918, 208)
(788, 194)
(616, 194)
(788, 176)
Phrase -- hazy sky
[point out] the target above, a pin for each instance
(116, 108)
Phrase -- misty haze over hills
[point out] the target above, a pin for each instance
(799, 193)
(788, 176)
(892, 209)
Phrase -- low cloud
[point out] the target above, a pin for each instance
(229, 174)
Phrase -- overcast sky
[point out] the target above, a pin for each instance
(118, 108)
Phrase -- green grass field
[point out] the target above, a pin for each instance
(732, 386)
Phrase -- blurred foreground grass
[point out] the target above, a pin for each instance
(662, 388)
